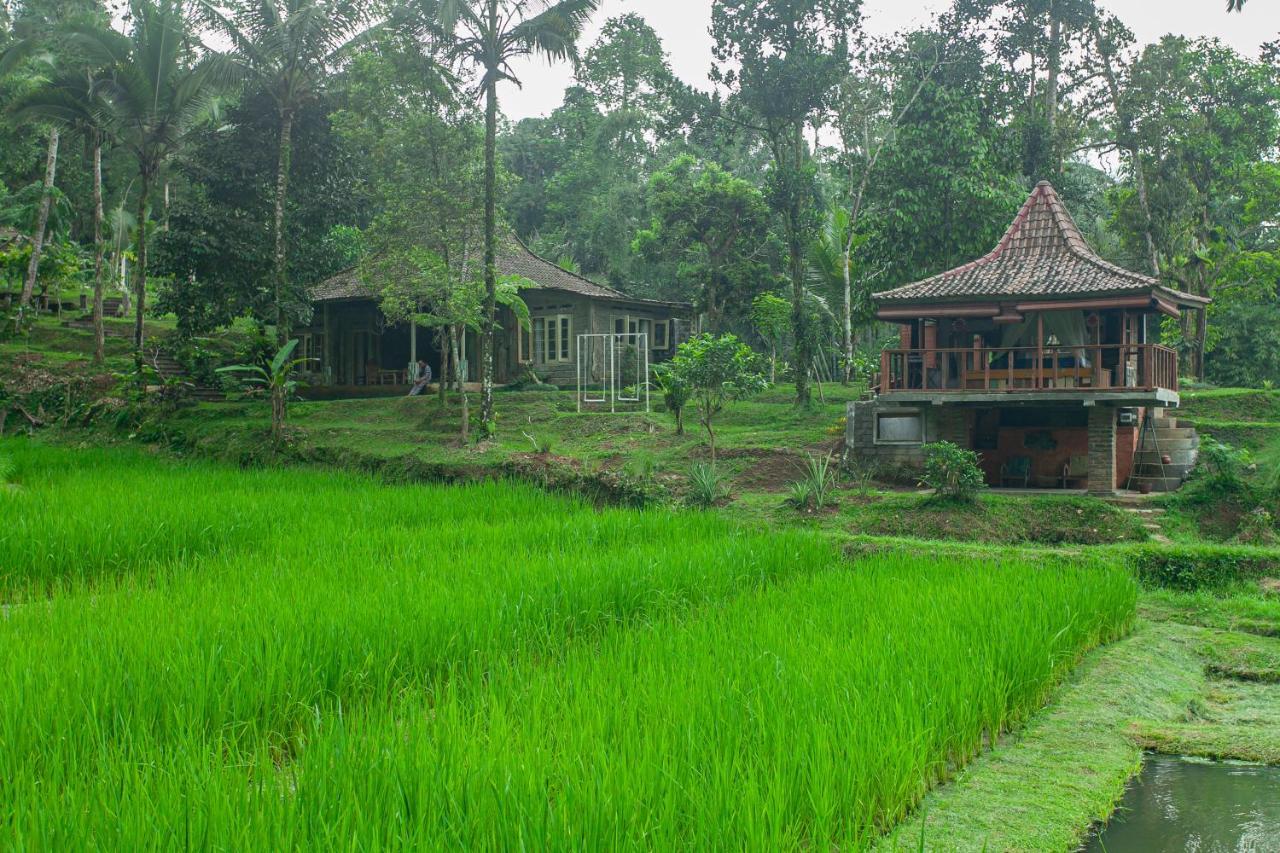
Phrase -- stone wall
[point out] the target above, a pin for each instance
(1102, 450)
(940, 424)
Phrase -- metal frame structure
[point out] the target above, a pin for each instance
(611, 390)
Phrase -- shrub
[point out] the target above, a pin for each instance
(1257, 528)
(1201, 567)
(675, 392)
(715, 370)
(1223, 463)
(861, 472)
(951, 471)
(707, 486)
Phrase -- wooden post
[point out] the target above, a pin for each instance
(327, 355)
(1039, 371)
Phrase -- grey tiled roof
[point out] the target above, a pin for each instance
(1042, 255)
(514, 258)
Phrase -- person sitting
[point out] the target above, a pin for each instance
(422, 378)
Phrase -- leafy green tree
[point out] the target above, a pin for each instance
(156, 96)
(675, 392)
(716, 370)
(288, 48)
(870, 105)
(943, 189)
(771, 316)
(71, 99)
(1203, 118)
(489, 35)
(784, 61)
(13, 57)
(216, 253)
(715, 226)
(425, 249)
(627, 74)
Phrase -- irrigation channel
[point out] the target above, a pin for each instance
(1196, 805)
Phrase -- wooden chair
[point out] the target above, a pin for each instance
(1076, 471)
(1017, 470)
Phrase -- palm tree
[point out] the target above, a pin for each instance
(72, 101)
(489, 35)
(288, 47)
(155, 96)
(10, 59)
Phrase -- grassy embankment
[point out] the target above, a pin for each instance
(277, 659)
(764, 445)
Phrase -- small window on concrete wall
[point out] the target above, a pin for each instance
(905, 426)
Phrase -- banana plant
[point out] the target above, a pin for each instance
(277, 378)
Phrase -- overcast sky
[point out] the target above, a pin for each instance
(682, 26)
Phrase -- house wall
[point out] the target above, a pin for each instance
(588, 316)
(1108, 448)
(346, 360)
(1047, 464)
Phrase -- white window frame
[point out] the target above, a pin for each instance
(557, 329)
(899, 413)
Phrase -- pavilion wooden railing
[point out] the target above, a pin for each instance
(1087, 367)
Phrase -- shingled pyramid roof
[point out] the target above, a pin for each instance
(1043, 256)
(513, 258)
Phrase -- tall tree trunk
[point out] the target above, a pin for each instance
(1051, 90)
(793, 150)
(443, 390)
(462, 392)
(490, 241)
(140, 288)
(1127, 143)
(99, 333)
(42, 220)
(279, 412)
(713, 300)
(847, 319)
(283, 163)
(1202, 334)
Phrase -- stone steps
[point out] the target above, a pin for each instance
(1169, 439)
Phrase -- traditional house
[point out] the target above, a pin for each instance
(353, 345)
(1041, 357)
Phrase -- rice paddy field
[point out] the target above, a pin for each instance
(207, 657)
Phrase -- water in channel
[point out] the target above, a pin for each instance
(1179, 804)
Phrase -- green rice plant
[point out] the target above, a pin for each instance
(292, 659)
(707, 486)
(808, 714)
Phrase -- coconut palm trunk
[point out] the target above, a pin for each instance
(99, 333)
(490, 247)
(42, 220)
(284, 161)
(140, 287)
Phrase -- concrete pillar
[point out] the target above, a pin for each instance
(1102, 450)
